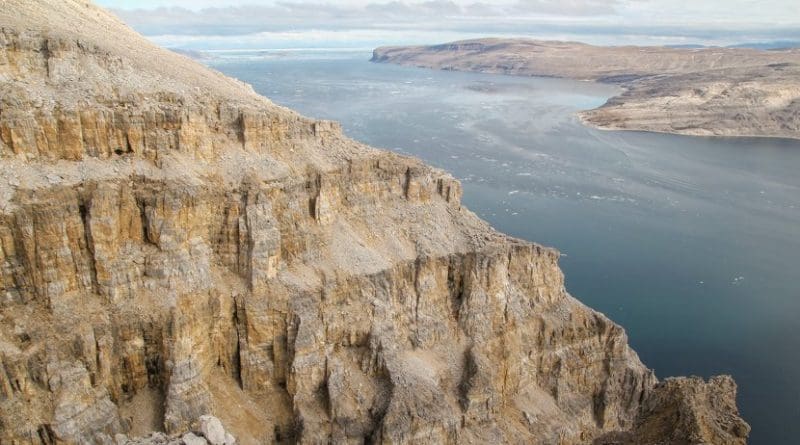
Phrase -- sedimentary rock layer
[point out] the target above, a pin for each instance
(173, 245)
(707, 91)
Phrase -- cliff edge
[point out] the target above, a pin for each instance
(174, 246)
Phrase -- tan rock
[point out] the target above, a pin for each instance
(211, 428)
(192, 439)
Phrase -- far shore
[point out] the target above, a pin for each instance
(694, 92)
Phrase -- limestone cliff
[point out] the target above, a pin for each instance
(173, 245)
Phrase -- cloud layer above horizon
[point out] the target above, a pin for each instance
(288, 23)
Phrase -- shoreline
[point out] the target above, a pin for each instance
(580, 114)
(592, 125)
(668, 83)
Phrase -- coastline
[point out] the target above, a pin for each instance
(722, 98)
(581, 114)
(589, 124)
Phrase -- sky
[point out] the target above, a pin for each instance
(215, 24)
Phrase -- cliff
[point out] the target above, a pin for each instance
(173, 245)
(706, 91)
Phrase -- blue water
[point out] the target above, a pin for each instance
(692, 244)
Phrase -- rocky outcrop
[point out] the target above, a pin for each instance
(743, 101)
(686, 411)
(207, 430)
(707, 91)
(95, 118)
(174, 246)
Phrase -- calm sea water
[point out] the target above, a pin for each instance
(692, 244)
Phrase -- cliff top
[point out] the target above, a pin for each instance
(56, 23)
(77, 84)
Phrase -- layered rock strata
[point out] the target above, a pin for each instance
(173, 245)
(703, 91)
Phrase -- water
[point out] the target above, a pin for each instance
(692, 244)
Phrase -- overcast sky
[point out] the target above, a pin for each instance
(352, 23)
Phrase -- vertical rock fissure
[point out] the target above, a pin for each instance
(85, 215)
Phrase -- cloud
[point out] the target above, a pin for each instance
(569, 7)
(670, 21)
(179, 17)
(779, 12)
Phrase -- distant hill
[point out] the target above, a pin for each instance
(778, 44)
(709, 91)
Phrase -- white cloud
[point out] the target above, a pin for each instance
(682, 21)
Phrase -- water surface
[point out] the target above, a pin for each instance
(692, 244)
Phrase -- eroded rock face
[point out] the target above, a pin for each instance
(239, 260)
(209, 431)
(687, 411)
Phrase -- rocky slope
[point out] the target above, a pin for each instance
(173, 245)
(710, 91)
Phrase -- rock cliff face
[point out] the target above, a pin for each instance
(173, 245)
(708, 91)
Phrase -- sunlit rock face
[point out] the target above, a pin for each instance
(174, 246)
